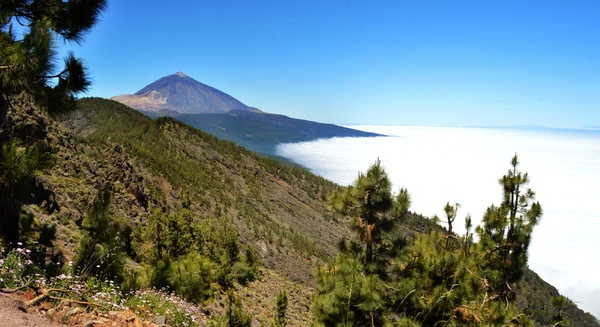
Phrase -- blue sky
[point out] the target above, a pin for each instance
(365, 62)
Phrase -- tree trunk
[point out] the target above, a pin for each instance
(9, 217)
(4, 133)
(369, 254)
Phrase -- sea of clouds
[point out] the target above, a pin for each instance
(463, 165)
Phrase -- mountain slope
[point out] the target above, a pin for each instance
(218, 113)
(160, 164)
(261, 132)
(304, 212)
(179, 93)
(265, 199)
(534, 296)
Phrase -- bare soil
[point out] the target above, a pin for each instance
(12, 316)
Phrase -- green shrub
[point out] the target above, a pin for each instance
(235, 316)
(191, 277)
(280, 309)
(159, 276)
(99, 252)
(243, 273)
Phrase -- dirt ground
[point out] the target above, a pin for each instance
(12, 316)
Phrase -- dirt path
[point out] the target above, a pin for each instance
(12, 316)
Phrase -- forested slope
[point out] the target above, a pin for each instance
(162, 170)
(210, 197)
(261, 132)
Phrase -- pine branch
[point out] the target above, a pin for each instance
(45, 293)
(80, 302)
(12, 290)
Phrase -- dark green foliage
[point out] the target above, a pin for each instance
(261, 132)
(191, 277)
(348, 295)
(39, 237)
(28, 65)
(235, 316)
(438, 277)
(280, 309)
(506, 231)
(100, 250)
(369, 201)
(191, 253)
(159, 274)
(18, 165)
(437, 282)
(560, 303)
(247, 268)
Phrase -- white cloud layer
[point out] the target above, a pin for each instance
(441, 164)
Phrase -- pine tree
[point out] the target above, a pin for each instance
(560, 303)
(100, 250)
(280, 309)
(28, 65)
(506, 231)
(235, 316)
(468, 239)
(368, 201)
(18, 165)
(436, 278)
(348, 295)
(154, 235)
(351, 290)
(451, 212)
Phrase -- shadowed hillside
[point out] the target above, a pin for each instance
(261, 132)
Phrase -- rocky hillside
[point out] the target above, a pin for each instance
(162, 164)
(535, 295)
(158, 164)
(179, 93)
(270, 204)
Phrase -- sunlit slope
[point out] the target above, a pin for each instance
(280, 210)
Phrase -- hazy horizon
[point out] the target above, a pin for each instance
(463, 165)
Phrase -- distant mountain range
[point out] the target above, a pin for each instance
(220, 114)
(181, 94)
